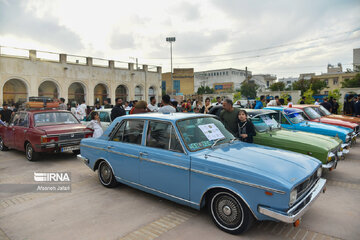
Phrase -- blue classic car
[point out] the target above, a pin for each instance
(292, 118)
(193, 160)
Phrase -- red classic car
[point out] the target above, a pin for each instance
(325, 113)
(35, 131)
(313, 116)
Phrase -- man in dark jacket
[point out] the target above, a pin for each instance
(5, 114)
(118, 110)
(326, 104)
(335, 106)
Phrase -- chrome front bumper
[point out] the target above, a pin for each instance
(331, 164)
(83, 159)
(296, 211)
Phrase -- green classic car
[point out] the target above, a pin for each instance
(269, 133)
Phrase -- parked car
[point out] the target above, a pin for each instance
(105, 118)
(269, 133)
(325, 113)
(313, 116)
(193, 160)
(294, 119)
(36, 131)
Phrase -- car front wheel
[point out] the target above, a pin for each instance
(30, 153)
(106, 175)
(230, 213)
(2, 145)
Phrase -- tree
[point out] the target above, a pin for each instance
(317, 85)
(205, 90)
(248, 89)
(302, 85)
(237, 96)
(278, 86)
(309, 96)
(352, 83)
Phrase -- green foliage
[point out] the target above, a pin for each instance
(336, 95)
(237, 96)
(205, 90)
(163, 92)
(278, 86)
(303, 85)
(248, 89)
(308, 96)
(213, 100)
(352, 83)
(285, 96)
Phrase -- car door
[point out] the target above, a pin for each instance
(123, 149)
(20, 129)
(9, 139)
(164, 166)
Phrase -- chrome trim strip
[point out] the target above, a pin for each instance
(122, 154)
(98, 148)
(83, 159)
(292, 215)
(166, 164)
(239, 181)
(169, 195)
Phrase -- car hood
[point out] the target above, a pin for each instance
(344, 118)
(243, 161)
(322, 141)
(336, 122)
(64, 128)
(324, 128)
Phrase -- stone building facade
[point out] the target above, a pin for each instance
(22, 77)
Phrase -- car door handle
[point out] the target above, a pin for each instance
(110, 147)
(143, 154)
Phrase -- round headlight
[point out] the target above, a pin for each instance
(293, 196)
(319, 172)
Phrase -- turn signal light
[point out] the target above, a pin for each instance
(296, 223)
(45, 139)
(268, 193)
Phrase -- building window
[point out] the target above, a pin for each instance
(227, 73)
(326, 92)
(163, 85)
(177, 86)
(267, 83)
(223, 73)
(335, 81)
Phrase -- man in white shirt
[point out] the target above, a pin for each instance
(317, 102)
(152, 105)
(166, 108)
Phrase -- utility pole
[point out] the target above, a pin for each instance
(171, 40)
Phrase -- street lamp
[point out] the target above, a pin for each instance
(171, 40)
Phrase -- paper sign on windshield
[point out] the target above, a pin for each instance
(211, 131)
(268, 121)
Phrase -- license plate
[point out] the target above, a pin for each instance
(67, 149)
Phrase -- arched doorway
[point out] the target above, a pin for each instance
(76, 93)
(15, 91)
(138, 93)
(48, 89)
(152, 92)
(100, 93)
(121, 92)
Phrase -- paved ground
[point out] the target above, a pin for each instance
(91, 211)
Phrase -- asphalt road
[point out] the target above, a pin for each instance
(91, 211)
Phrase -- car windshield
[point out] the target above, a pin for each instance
(54, 118)
(316, 109)
(311, 113)
(202, 132)
(295, 117)
(324, 111)
(265, 122)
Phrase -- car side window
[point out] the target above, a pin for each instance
(284, 120)
(23, 120)
(104, 116)
(162, 135)
(14, 121)
(130, 131)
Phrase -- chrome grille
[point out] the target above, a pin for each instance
(356, 129)
(306, 185)
(71, 136)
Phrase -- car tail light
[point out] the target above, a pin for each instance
(46, 139)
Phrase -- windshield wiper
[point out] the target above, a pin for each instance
(216, 141)
(232, 140)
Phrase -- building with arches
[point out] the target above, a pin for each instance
(74, 78)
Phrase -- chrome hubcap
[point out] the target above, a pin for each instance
(105, 173)
(227, 210)
(29, 151)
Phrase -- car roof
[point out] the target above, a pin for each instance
(292, 110)
(42, 110)
(103, 110)
(276, 108)
(305, 105)
(254, 112)
(165, 116)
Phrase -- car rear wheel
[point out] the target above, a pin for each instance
(2, 145)
(106, 175)
(229, 212)
(30, 153)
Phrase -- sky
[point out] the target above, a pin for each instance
(279, 37)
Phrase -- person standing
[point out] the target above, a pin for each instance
(246, 130)
(303, 100)
(206, 108)
(229, 116)
(326, 104)
(335, 106)
(5, 113)
(95, 125)
(106, 104)
(317, 102)
(118, 110)
(152, 105)
(140, 107)
(357, 107)
(166, 105)
(62, 105)
(218, 101)
(290, 104)
(260, 104)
